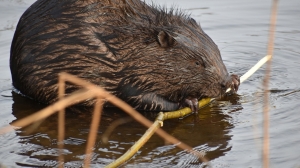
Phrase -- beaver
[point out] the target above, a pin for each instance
(154, 58)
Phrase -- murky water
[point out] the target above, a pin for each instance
(230, 131)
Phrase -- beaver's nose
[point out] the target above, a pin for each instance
(235, 82)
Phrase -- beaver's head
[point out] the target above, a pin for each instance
(168, 54)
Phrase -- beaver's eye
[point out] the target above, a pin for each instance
(200, 64)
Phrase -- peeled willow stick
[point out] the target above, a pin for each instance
(177, 114)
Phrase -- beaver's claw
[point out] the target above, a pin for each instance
(235, 83)
(192, 103)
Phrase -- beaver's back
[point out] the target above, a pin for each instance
(59, 36)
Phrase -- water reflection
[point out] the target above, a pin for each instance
(208, 131)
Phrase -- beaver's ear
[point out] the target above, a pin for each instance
(164, 39)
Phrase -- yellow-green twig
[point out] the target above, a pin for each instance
(158, 122)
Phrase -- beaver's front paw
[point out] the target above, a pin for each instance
(192, 103)
(235, 83)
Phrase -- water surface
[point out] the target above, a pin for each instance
(229, 131)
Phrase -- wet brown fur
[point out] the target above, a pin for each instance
(150, 57)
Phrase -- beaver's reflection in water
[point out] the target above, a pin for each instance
(207, 131)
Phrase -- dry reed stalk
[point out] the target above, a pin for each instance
(93, 131)
(51, 109)
(266, 116)
(61, 123)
